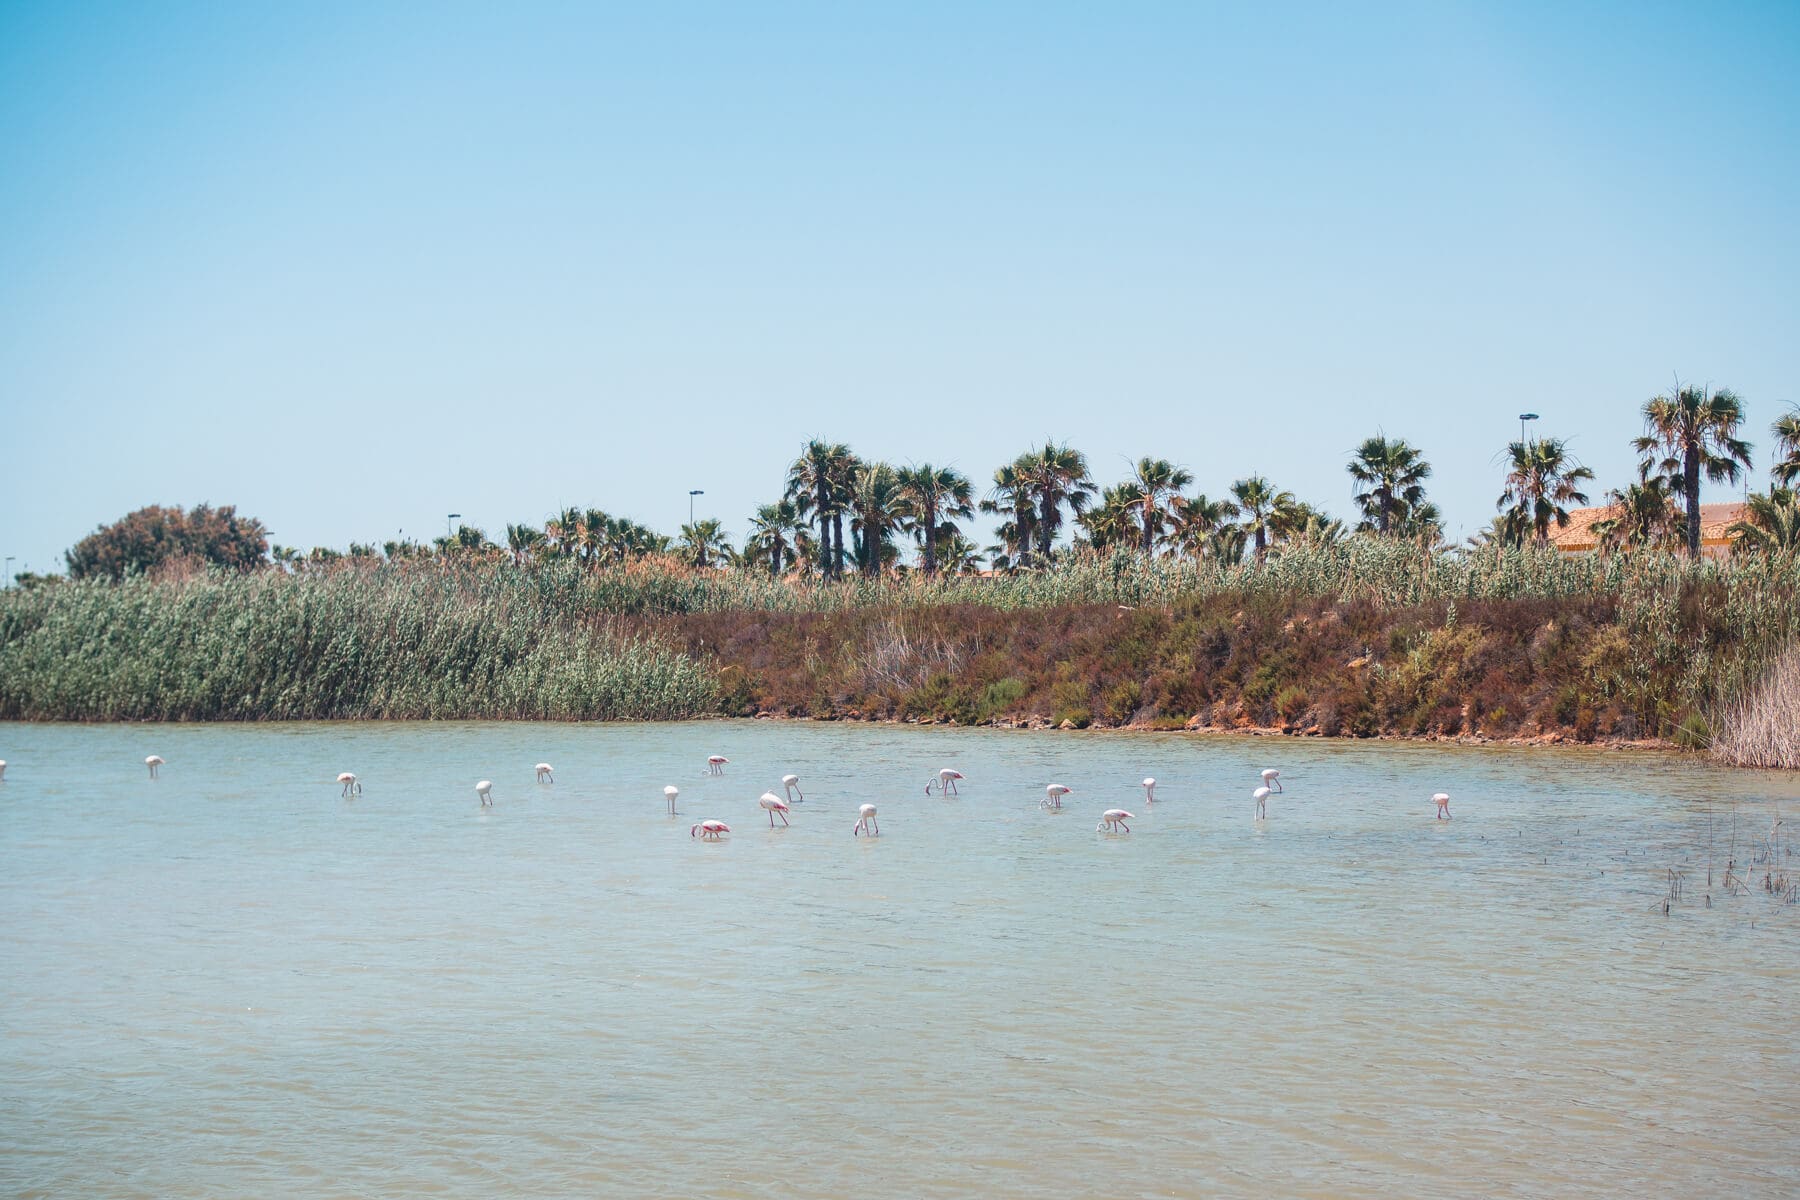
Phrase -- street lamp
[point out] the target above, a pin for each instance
(1524, 417)
(449, 518)
(691, 495)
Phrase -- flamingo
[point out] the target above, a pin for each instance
(545, 774)
(669, 794)
(867, 824)
(153, 762)
(1113, 820)
(709, 831)
(1442, 800)
(1053, 795)
(484, 789)
(946, 782)
(2, 770)
(351, 786)
(1149, 791)
(773, 804)
(1271, 779)
(791, 785)
(1261, 796)
(715, 765)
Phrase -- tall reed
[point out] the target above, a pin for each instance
(1762, 728)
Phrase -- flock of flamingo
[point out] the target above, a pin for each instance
(712, 830)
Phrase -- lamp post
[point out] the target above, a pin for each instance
(691, 495)
(447, 519)
(1524, 417)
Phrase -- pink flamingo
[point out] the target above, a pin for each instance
(351, 786)
(709, 831)
(773, 804)
(1113, 820)
(485, 789)
(791, 785)
(1150, 791)
(545, 774)
(1442, 800)
(669, 794)
(867, 823)
(2, 770)
(1271, 779)
(153, 762)
(716, 764)
(1261, 796)
(946, 782)
(1053, 795)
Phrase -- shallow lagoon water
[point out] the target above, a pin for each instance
(231, 981)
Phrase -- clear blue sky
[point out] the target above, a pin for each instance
(353, 267)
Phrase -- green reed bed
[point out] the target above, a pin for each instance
(350, 644)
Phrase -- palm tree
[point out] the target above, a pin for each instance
(1643, 514)
(877, 509)
(703, 539)
(1299, 521)
(1786, 431)
(1260, 503)
(1198, 522)
(522, 540)
(562, 533)
(817, 484)
(931, 496)
(1055, 476)
(1113, 521)
(1391, 482)
(1694, 430)
(1543, 480)
(1012, 496)
(1158, 483)
(1770, 525)
(769, 530)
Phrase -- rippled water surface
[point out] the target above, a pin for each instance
(232, 982)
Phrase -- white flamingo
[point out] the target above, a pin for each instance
(1053, 795)
(709, 831)
(791, 785)
(153, 762)
(715, 765)
(867, 823)
(485, 789)
(773, 804)
(1261, 796)
(1113, 820)
(1271, 779)
(352, 786)
(946, 782)
(2, 770)
(545, 773)
(1150, 791)
(1442, 800)
(669, 794)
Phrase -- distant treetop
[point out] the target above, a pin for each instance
(155, 535)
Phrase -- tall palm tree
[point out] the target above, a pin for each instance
(818, 483)
(878, 508)
(1113, 522)
(1786, 431)
(1770, 525)
(1544, 479)
(703, 541)
(1299, 521)
(1158, 483)
(1057, 477)
(1391, 482)
(1012, 496)
(1259, 502)
(562, 533)
(1198, 522)
(1694, 430)
(932, 496)
(1641, 515)
(591, 539)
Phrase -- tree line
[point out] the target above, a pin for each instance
(840, 513)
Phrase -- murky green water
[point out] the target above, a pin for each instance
(232, 982)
